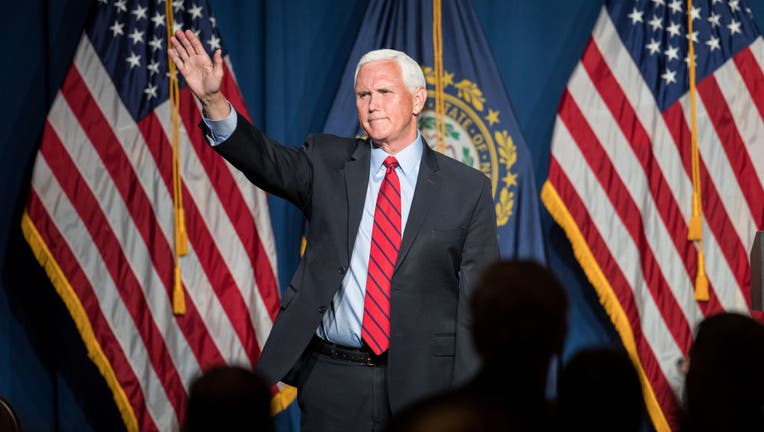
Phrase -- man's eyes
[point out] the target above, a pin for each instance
(366, 94)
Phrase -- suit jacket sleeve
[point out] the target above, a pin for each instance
(277, 169)
(481, 249)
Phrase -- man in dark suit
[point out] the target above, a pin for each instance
(376, 315)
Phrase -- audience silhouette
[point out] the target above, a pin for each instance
(599, 390)
(227, 398)
(724, 388)
(519, 320)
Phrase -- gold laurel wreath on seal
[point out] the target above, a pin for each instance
(470, 93)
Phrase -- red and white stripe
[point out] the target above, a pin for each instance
(101, 202)
(622, 171)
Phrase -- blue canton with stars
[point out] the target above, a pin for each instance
(655, 34)
(131, 40)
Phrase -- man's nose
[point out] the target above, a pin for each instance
(372, 103)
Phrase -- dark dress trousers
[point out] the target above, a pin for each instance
(449, 237)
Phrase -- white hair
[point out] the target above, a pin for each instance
(411, 73)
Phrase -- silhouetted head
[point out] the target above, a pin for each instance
(228, 398)
(519, 308)
(725, 382)
(451, 412)
(599, 390)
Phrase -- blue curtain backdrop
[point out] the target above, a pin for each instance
(288, 57)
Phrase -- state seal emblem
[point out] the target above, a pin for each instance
(473, 136)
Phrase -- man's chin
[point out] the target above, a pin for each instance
(376, 137)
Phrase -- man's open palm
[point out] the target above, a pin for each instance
(202, 74)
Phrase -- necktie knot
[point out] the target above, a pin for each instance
(391, 162)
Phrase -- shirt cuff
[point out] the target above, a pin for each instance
(220, 130)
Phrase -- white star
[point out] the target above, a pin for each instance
(734, 26)
(120, 5)
(177, 25)
(676, 6)
(139, 12)
(153, 67)
(196, 12)
(213, 21)
(654, 46)
(155, 43)
(714, 19)
(695, 13)
(715, 2)
(749, 11)
(669, 76)
(658, 3)
(134, 60)
(158, 20)
(734, 5)
(672, 53)
(636, 16)
(214, 42)
(197, 32)
(694, 36)
(713, 44)
(117, 29)
(687, 59)
(673, 28)
(151, 91)
(136, 36)
(656, 23)
(177, 5)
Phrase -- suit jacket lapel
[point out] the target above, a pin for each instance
(425, 196)
(356, 183)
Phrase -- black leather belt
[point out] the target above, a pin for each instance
(362, 355)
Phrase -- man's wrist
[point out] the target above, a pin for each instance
(216, 106)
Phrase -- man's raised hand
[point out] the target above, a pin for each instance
(202, 74)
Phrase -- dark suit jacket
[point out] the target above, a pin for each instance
(449, 236)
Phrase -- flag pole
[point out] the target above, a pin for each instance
(440, 105)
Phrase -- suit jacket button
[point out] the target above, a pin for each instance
(321, 309)
(341, 270)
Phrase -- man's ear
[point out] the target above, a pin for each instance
(420, 96)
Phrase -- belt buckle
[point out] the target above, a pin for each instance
(369, 360)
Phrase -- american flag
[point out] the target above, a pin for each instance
(100, 217)
(621, 178)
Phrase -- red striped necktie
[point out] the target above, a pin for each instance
(385, 242)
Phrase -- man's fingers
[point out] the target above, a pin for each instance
(186, 40)
(179, 49)
(174, 56)
(218, 59)
(197, 44)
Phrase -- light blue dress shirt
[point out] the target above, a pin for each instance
(221, 130)
(341, 323)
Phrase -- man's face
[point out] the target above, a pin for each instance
(385, 106)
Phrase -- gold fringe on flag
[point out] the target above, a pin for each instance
(695, 228)
(440, 104)
(73, 303)
(181, 237)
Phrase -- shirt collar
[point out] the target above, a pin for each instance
(408, 158)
